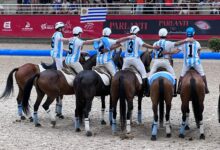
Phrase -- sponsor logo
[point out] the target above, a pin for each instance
(46, 26)
(27, 27)
(89, 27)
(7, 26)
(202, 25)
(68, 27)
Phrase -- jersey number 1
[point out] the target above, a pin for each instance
(190, 51)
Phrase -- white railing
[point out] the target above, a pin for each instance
(116, 8)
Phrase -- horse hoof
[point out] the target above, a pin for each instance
(187, 127)
(31, 119)
(88, 133)
(60, 116)
(53, 123)
(78, 130)
(103, 122)
(153, 138)
(37, 125)
(169, 135)
(23, 118)
(181, 136)
(202, 137)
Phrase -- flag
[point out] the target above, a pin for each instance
(96, 14)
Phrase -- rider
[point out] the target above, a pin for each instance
(57, 45)
(132, 57)
(106, 44)
(75, 47)
(191, 52)
(161, 59)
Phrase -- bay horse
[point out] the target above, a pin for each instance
(125, 85)
(161, 90)
(192, 89)
(22, 74)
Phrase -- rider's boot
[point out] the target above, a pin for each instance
(206, 86)
(179, 85)
(174, 87)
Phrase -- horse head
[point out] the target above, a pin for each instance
(146, 59)
(117, 58)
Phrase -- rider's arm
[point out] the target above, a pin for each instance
(90, 41)
(183, 41)
(65, 39)
(123, 39)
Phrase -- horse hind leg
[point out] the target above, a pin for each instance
(129, 115)
(184, 108)
(167, 116)
(201, 125)
(139, 109)
(59, 106)
(86, 111)
(19, 103)
(155, 123)
(187, 120)
(51, 115)
(103, 110)
(36, 106)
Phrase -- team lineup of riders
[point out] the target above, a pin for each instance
(162, 50)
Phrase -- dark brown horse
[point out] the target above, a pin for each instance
(161, 89)
(192, 89)
(219, 106)
(22, 74)
(125, 85)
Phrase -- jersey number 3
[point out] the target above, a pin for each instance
(130, 46)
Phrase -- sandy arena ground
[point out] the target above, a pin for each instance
(23, 135)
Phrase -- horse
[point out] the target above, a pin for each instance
(22, 74)
(87, 85)
(52, 83)
(125, 85)
(161, 90)
(192, 89)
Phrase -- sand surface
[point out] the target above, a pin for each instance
(23, 135)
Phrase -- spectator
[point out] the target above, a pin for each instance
(65, 7)
(44, 7)
(139, 6)
(148, 7)
(184, 9)
(73, 7)
(215, 7)
(1, 7)
(57, 5)
(19, 6)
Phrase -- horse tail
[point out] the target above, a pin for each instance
(9, 85)
(161, 98)
(195, 101)
(27, 92)
(122, 102)
(49, 66)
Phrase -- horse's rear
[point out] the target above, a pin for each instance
(125, 86)
(192, 89)
(161, 90)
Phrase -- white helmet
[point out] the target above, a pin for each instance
(77, 30)
(163, 32)
(59, 25)
(134, 29)
(106, 31)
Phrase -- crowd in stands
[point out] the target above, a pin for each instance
(139, 6)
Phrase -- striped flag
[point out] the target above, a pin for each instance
(93, 14)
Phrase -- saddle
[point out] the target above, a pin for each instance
(136, 72)
(103, 73)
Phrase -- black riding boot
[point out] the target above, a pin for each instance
(179, 85)
(206, 86)
(146, 87)
(174, 87)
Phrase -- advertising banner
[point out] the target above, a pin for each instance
(42, 26)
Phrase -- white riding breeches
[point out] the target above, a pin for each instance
(76, 66)
(198, 68)
(165, 63)
(59, 63)
(137, 63)
(110, 66)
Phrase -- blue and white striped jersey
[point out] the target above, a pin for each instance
(75, 46)
(164, 46)
(57, 45)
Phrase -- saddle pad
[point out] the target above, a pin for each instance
(139, 77)
(41, 68)
(69, 78)
(105, 78)
(163, 74)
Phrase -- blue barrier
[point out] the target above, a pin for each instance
(25, 52)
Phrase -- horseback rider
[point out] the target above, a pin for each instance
(191, 50)
(105, 53)
(75, 47)
(57, 45)
(161, 59)
(132, 57)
